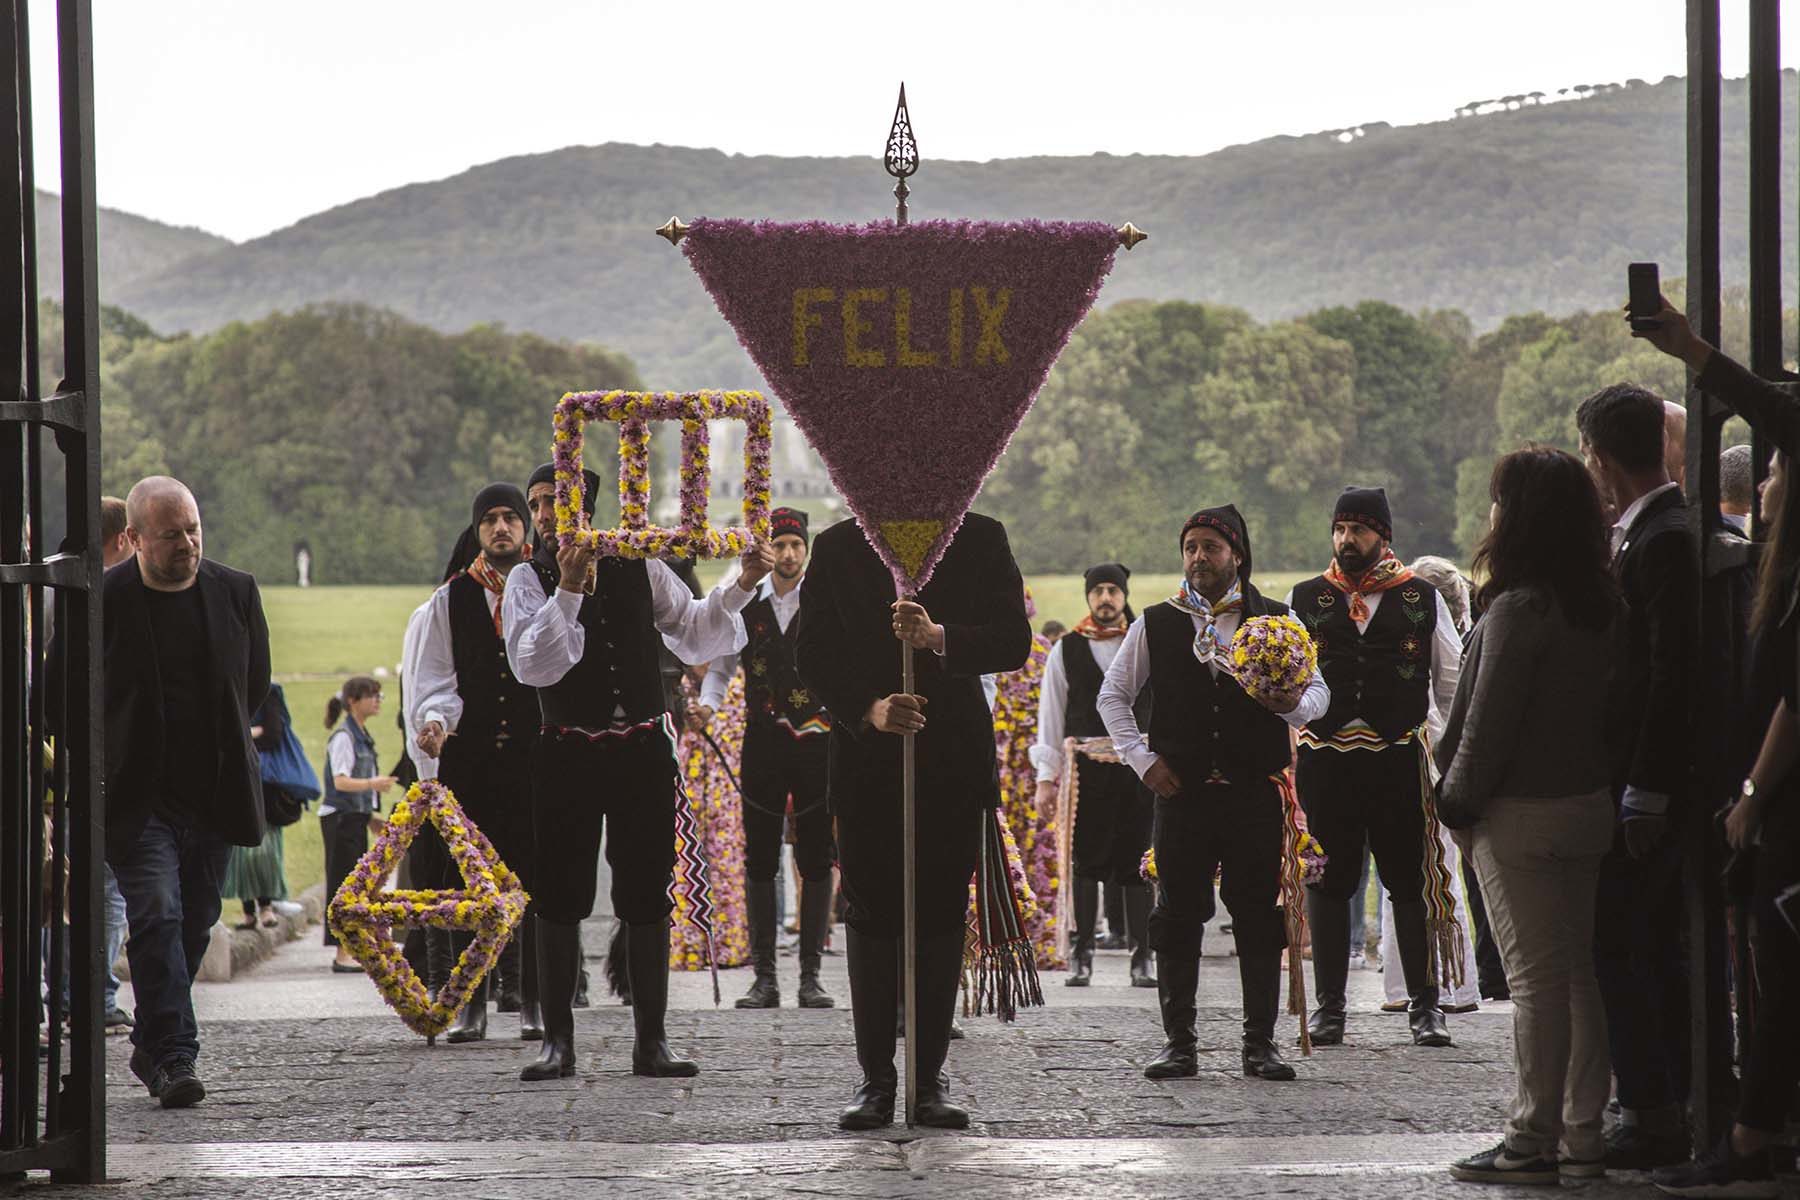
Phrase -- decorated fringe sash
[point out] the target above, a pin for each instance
(689, 882)
(1443, 933)
(1293, 899)
(1005, 964)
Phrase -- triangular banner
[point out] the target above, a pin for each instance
(906, 354)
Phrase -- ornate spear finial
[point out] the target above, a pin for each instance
(1130, 235)
(902, 157)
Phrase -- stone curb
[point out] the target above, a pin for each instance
(248, 947)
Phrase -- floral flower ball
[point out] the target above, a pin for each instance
(1273, 657)
(1312, 860)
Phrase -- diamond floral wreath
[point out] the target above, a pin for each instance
(634, 411)
(491, 904)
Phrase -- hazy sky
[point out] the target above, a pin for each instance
(244, 117)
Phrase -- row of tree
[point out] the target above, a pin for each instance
(362, 434)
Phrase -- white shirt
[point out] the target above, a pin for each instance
(1053, 702)
(718, 675)
(1623, 525)
(1446, 661)
(1130, 671)
(412, 683)
(544, 637)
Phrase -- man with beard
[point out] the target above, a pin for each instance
(1113, 811)
(479, 721)
(1212, 755)
(968, 621)
(783, 756)
(584, 631)
(1390, 651)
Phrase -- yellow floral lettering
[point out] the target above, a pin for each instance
(903, 349)
(805, 319)
(990, 349)
(855, 326)
(956, 327)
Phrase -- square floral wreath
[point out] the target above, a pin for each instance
(490, 904)
(634, 411)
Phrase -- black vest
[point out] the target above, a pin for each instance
(1383, 674)
(773, 691)
(494, 703)
(1081, 711)
(618, 667)
(1203, 723)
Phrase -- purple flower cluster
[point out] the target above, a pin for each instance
(694, 537)
(907, 354)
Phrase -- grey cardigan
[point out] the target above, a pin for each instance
(1528, 718)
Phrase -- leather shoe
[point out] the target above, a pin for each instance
(1633, 1148)
(1263, 1061)
(764, 993)
(935, 1112)
(555, 1061)
(471, 1023)
(177, 1086)
(1081, 972)
(1141, 974)
(508, 1000)
(659, 1061)
(874, 1107)
(1175, 1062)
(813, 993)
(1326, 1027)
(531, 1022)
(1428, 1026)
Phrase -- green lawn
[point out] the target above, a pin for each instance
(321, 636)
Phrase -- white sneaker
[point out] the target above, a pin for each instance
(288, 908)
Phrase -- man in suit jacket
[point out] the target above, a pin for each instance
(1638, 921)
(187, 662)
(968, 621)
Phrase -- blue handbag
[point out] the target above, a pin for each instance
(289, 782)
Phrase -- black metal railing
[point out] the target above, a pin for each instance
(52, 1088)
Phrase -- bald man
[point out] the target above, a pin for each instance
(187, 661)
(1675, 442)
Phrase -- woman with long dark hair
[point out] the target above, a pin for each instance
(1525, 776)
(1765, 822)
(353, 788)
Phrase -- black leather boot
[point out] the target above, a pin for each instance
(874, 981)
(1259, 974)
(1329, 919)
(509, 989)
(1137, 932)
(815, 920)
(1177, 990)
(647, 955)
(558, 961)
(1087, 913)
(759, 911)
(471, 1022)
(440, 958)
(940, 969)
(1422, 1010)
(531, 1013)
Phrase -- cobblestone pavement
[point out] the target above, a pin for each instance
(314, 1090)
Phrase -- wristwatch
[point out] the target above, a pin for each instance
(1748, 790)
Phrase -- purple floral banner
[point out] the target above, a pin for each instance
(907, 354)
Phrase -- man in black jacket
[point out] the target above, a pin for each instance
(1639, 955)
(1212, 755)
(187, 662)
(968, 621)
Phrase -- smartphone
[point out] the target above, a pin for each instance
(1646, 294)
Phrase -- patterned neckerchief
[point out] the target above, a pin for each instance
(1089, 628)
(1206, 641)
(1388, 572)
(482, 571)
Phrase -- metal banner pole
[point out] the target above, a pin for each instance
(901, 160)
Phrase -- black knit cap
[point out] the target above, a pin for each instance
(1228, 523)
(1366, 506)
(500, 495)
(1113, 573)
(785, 522)
(590, 484)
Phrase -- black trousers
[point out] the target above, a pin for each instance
(1358, 797)
(870, 849)
(1772, 1066)
(776, 765)
(623, 786)
(1113, 817)
(1640, 959)
(1232, 830)
(346, 837)
(492, 782)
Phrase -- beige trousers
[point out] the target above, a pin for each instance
(1539, 864)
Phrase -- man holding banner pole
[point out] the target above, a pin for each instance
(967, 621)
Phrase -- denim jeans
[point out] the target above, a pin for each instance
(115, 936)
(170, 879)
